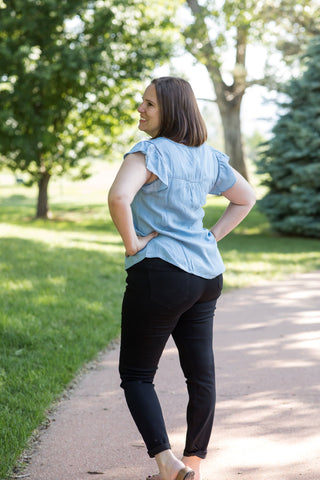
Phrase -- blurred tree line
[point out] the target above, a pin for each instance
(69, 69)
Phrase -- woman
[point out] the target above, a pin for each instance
(174, 269)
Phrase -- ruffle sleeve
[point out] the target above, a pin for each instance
(154, 160)
(225, 178)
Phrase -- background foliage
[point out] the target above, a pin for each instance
(218, 35)
(292, 156)
(68, 72)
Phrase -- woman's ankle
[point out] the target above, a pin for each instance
(193, 462)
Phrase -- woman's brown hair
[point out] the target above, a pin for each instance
(180, 118)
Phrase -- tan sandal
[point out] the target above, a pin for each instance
(184, 474)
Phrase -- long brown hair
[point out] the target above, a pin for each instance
(180, 118)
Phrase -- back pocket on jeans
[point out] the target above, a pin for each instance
(170, 289)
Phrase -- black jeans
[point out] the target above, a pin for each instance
(161, 299)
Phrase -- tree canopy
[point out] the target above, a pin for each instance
(68, 71)
(217, 28)
(292, 157)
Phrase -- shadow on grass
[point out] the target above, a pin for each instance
(17, 199)
(58, 308)
(253, 241)
(253, 259)
(259, 242)
(65, 217)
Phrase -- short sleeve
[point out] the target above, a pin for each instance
(154, 160)
(225, 178)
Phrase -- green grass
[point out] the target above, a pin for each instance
(253, 254)
(61, 284)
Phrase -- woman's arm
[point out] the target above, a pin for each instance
(131, 176)
(242, 198)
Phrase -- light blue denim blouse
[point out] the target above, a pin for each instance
(173, 204)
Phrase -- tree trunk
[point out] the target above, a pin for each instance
(229, 97)
(230, 115)
(42, 206)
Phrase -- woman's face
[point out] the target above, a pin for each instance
(149, 112)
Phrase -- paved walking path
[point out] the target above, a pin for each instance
(267, 425)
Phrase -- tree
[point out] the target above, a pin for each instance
(215, 28)
(292, 156)
(68, 70)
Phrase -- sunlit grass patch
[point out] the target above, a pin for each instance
(253, 253)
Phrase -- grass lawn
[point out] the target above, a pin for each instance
(61, 287)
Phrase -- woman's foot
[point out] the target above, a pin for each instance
(169, 467)
(180, 476)
(194, 463)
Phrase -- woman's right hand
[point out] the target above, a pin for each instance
(141, 243)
